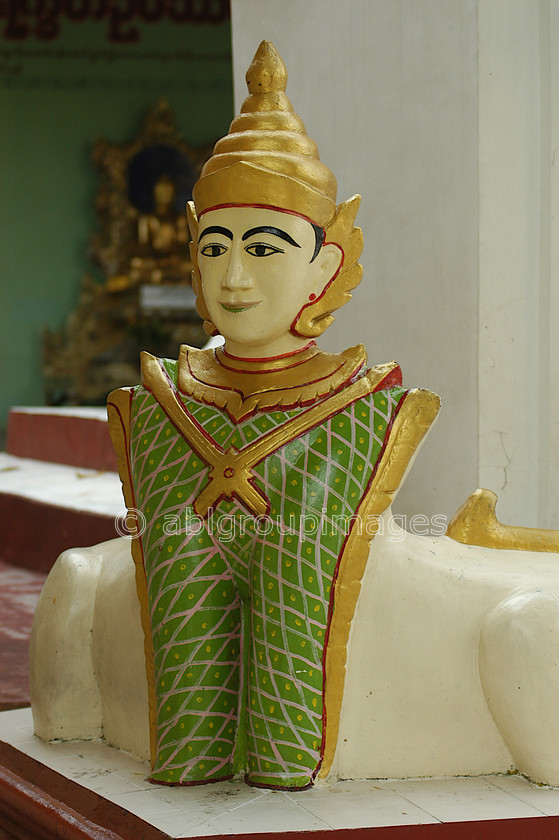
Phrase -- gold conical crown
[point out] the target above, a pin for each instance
(268, 160)
(267, 157)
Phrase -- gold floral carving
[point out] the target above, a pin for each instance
(419, 410)
(476, 523)
(116, 243)
(97, 348)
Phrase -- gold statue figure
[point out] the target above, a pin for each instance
(162, 239)
(290, 632)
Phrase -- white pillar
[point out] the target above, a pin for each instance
(519, 258)
(549, 393)
(399, 96)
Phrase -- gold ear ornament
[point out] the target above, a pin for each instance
(317, 315)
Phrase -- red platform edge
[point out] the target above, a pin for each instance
(37, 803)
(39, 532)
(61, 439)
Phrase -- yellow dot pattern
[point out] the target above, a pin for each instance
(285, 575)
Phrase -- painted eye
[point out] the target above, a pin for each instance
(262, 249)
(213, 249)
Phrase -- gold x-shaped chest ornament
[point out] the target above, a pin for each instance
(231, 470)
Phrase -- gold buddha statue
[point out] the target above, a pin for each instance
(159, 252)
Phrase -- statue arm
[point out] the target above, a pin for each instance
(411, 425)
(119, 409)
(414, 419)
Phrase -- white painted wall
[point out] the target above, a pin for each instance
(548, 461)
(517, 298)
(444, 130)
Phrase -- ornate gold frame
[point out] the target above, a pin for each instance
(111, 245)
(97, 349)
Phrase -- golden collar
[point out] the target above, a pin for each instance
(242, 386)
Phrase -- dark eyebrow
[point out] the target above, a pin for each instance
(216, 229)
(274, 231)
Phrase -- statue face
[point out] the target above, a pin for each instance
(164, 191)
(257, 274)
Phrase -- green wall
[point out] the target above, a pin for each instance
(55, 98)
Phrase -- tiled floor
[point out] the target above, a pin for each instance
(233, 807)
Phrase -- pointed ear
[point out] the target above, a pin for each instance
(327, 262)
(192, 220)
(209, 328)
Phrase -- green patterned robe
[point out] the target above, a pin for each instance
(239, 605)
